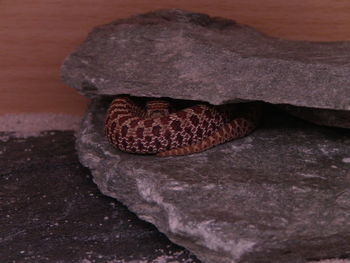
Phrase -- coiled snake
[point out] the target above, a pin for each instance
(158, 129)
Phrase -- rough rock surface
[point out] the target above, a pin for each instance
(178, 54)
(279, 195)
(51, 211)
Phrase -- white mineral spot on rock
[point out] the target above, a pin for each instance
(209, 186)
(309, 175)
(298, 189)
(324, 150)
(175, 186)
(346, 160)
(236, 147)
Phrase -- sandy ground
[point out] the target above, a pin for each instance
(35, 124)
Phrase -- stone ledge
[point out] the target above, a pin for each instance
(280, 194)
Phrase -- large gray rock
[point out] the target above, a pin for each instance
(177, 54)
(281, 194)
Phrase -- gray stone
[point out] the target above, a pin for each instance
(178, 54)
(281, 194)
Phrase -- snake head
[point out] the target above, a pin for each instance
(157, 108)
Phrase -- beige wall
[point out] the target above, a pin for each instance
(36, 35)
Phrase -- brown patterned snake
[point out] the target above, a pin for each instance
(157, 129)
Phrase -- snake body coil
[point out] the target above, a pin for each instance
(157, 129)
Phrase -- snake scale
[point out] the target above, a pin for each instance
(157, 128)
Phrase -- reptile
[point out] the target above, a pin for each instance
(156, 128)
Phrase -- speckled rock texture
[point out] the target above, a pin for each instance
(183, 55)
(281, 194)
(51, 211)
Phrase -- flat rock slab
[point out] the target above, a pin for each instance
(178, 54)
(281, 194)
(50, 211)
